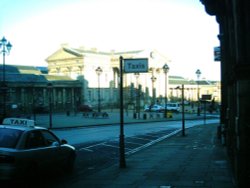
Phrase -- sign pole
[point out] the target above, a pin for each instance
(130, 66)
(122, 146)
(205, 109)
(205, 99)
(183, 110)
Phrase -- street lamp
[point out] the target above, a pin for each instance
(50, 86)
(137, 75)
(99, 72)
(5, 48)
(33, 103)
(183, 108)
(153, 78)
(166, 69)
(198, 73)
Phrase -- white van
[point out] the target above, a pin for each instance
(174, 107)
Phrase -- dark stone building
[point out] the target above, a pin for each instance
(27, 91)
(233, 17)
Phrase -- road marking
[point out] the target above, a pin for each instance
(91, 146)
(152, 142)
(86, 149)
(141, 138)
(110, 145)
(134, 143)
(149, 135)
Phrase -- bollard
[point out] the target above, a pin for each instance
(219, 132)
(68, 113)
(134, 116)
(105, 115)
(144, 116)
(169, 114)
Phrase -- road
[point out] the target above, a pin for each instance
(98, 146)
(98, 133)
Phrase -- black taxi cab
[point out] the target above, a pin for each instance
(26, 148)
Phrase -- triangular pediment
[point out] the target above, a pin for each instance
(63, 54)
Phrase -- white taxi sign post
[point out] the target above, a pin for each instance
(135, 65)
(19, 121)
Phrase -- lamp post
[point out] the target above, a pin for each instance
(33, 104)
(166, 69)
(137, 94)
(183, 108)
(99, 72)
(153, 78)
(49, 86)
(5, 48)
(198, 73)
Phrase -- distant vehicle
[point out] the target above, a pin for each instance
(85, 108)
(41, 109)
(26, 150)
(173, 107)
(154, 108)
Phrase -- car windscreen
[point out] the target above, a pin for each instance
(9, 137)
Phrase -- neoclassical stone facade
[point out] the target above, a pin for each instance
(81, 64)
(72, 73)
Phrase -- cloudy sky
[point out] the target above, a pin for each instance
(179, 29)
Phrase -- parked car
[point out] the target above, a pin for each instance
(26, 150)
(173, 107)
(41, 109)
(154, 108)
(85, 108)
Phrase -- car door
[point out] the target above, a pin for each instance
(38, 151)
(54, 148)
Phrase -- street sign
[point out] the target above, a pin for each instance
(206, 97)
(217, 54)
(135, 65)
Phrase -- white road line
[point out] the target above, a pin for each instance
(110, 145)
(141, 138)
(133, 143)
(152, 136)
(85, 149)
(152, 142)
(91, 146)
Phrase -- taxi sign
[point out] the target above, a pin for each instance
(136, 65)
(19, 121)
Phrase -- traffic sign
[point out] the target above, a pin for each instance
(206, 97)
(135, 65)
(217, 54)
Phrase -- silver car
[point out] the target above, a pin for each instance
(154, 108)
(26, 149)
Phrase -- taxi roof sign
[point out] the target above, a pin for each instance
(19, 121)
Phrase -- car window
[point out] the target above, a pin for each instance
(9, 137)
(35, 140)
(49, 138)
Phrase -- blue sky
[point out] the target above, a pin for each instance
(179, 29)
